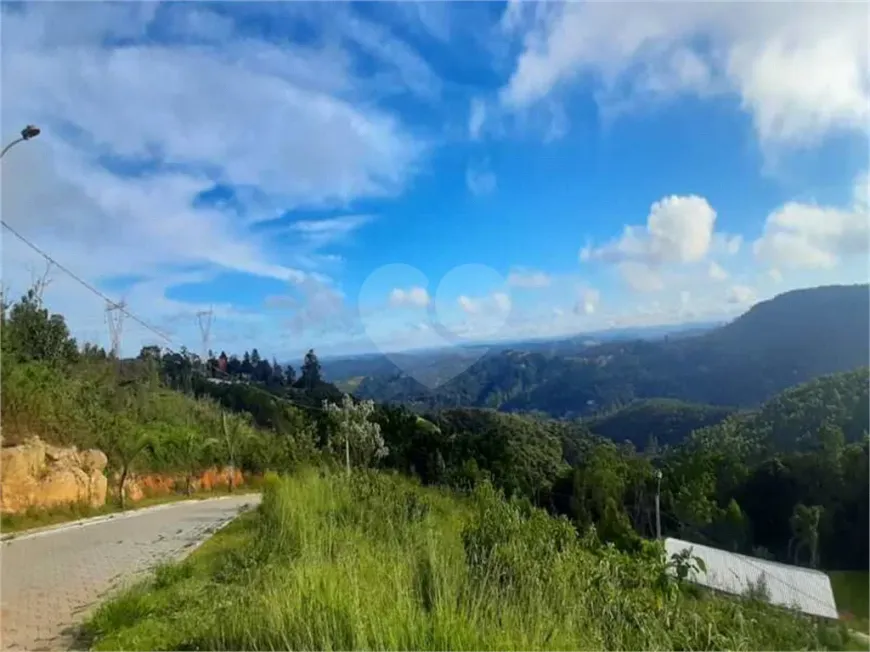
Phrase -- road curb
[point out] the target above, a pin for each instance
(94, 520)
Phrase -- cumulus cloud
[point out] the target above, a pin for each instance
(415, 296)
(641, 277)
(809, 236)
(678, 230)
(527, 278)
(799, 70)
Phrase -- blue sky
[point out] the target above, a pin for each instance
(359, 177)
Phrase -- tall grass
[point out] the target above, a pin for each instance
(374, 561)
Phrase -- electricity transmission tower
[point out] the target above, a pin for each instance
(115, 319)
(204, 318)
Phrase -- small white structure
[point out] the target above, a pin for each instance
(801, 589)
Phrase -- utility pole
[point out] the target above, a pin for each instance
(204, 319)
(115, 319)
(658, 475)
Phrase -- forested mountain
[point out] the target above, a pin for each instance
(656, 422)
(789, 480)
(740, 484)
(790, 339)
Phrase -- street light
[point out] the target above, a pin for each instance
(30, 131)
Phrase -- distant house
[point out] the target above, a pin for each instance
(788, 586)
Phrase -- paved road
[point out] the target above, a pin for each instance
(49, 581)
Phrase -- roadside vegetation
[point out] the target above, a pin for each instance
(851, 590)
(68, 395)
(788, 481)
(375, 561)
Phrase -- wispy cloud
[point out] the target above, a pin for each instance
(135, 131)
(480, 179)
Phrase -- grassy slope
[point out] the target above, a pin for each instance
(374, 561)
(851, 590)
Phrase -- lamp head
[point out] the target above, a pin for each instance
(29, 132)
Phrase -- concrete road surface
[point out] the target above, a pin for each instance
(50, 580)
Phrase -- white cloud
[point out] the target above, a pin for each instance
(813, 237)
(415, 296)
(497, 302)
(685, 299)
(480, 179)
(741, 294)
(135, 133)
(502, 301)
(476, 118)
(716, 272)
(320, 233)
(527, 278)
(319, 310)
(775, 275)
(678, 230)
(468, 305)
(726, 245)
(641, 277)
(800, 70)
(587, 304)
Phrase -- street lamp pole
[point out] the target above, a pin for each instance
(26, 134)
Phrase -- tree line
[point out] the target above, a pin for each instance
(788, 481)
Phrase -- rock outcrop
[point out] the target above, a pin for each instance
(37, 475)
(139, 486)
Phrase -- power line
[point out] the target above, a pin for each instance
(122, 308)
(85, 284)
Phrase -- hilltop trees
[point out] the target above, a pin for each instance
(31, 334)
(788, 480)
(310, 377)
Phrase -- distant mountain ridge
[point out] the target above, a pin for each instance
(341, 369)
(790, 339)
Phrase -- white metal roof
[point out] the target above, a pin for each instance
(793, 587)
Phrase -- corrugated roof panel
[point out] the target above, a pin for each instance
(789, 586)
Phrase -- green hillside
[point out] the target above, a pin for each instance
(790, 339)
(787, 481)
(666, 422)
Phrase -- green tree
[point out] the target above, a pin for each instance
(310, 370)
(119, 415)
(804, 524)
(353, 435)
(31, 334)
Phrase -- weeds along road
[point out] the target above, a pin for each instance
(50, 580)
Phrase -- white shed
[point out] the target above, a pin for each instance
(793, 587)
